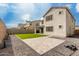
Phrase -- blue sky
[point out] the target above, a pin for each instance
(14, 13)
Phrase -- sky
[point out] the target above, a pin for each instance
(15, 13)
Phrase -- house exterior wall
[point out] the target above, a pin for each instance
(2, 34)
(70, 24)
(34, 25)
(64, 19)
(36, 22)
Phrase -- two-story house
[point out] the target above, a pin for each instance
(59, 22)
(37, 26)
(32, 26)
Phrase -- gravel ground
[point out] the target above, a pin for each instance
(21, 49)
(62, 50)
(7, 51)
(16, 47)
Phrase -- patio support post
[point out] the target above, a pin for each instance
(40, 30)
(35, 30)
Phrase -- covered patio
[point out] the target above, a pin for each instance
(39, 29)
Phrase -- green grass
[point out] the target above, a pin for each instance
(26, 36)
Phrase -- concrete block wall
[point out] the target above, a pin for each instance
(3, 33)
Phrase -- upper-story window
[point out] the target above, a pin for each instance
(48, 18)
(60, 26)
(37, 24)
(30, 23)
(42, 21)
(60, 12)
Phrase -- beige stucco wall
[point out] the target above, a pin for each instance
(70, 24)
(58, 19)
(33, 26)
(2, 33)
(64, 19)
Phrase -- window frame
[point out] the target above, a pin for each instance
(49, 17)
(49, 28)
(60, 26)
(37, 24)
(60, 12)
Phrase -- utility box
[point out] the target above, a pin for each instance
(3, 34)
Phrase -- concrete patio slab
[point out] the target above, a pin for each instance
(43, 44)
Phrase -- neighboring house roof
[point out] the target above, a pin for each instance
(61, 8)
(77, 27)
(36, 21)
(28, 24)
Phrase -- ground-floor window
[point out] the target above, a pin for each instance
(49, 28)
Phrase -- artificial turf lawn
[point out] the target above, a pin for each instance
(26, 36)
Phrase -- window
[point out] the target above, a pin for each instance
(48, 18)
(60, 26)
(37, 24)
(24, 28)
(30, 23)
(42, 21)
(50, 28)
(60, 12)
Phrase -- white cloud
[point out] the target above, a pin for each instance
(77, 7)
(11, 25)
(65, 5)
(3, 4)
(41, 18)
(26, 17)
(22, 8)
(44, 7)
(24, 11)
(68, 5)
(3, 9)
